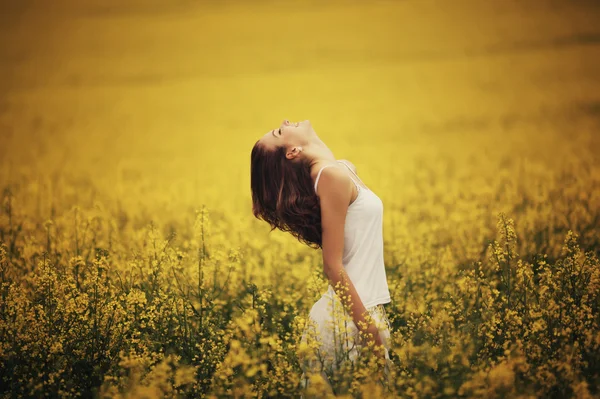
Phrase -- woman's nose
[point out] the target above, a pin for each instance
(286, 122)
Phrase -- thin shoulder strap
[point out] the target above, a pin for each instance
(358, 187)
(339, 160)
(319, 175)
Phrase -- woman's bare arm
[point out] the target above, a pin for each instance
(335, 193)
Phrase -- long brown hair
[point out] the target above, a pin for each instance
(283, 194)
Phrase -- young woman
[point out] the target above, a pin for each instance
(298, 186)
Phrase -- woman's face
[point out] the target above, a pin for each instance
(289, 134)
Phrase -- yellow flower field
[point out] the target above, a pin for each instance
(131, 265)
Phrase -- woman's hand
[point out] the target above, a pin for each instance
(371, 334)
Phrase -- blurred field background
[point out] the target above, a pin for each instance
(131, 263)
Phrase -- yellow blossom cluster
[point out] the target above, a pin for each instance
(131, 265)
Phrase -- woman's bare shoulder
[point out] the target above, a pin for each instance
(349, 164)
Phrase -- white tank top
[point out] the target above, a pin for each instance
(363, 245)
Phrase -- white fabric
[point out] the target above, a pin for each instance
(328, 324)
(363, 245)
(337, 340)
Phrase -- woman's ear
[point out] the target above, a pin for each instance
(293, 153)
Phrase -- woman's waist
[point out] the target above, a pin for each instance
(376, 311)
(366, 299)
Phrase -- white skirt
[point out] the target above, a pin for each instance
(332, 337)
